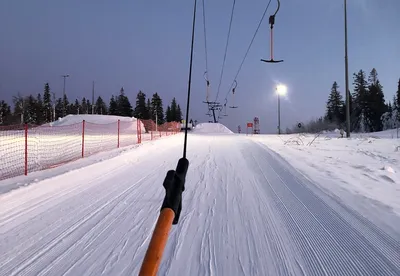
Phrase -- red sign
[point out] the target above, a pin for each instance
(249, 124)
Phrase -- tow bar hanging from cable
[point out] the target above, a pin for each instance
(271, 23)
(208, 87)
(233, 96)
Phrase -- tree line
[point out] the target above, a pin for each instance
(41, 109)
(369, 111)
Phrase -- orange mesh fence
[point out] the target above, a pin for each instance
(12, 151)
(25, 149)
(153, 131)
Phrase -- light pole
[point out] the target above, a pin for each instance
(346, 69)
(280, 91)
(64, 110)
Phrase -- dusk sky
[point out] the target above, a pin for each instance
(145, 45)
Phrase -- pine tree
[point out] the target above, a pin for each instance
(40, 110)
(148, 110)
(84, 106)
(376, 101)
(157, 108)
(77, 108)
(178, 114)
(174, 108)
(397, 103)
(19, 107)
(67, 108)
(361, 109)
(113, 107)
(100, 107)
(168, 114)
(59, 108)
(140, 108)
(47, 103)
(334, 106)
(31, 110)
(124, 106)
(5, 112)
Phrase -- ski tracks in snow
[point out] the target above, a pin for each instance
(245, 212)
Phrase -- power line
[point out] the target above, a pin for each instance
(248, 49)
(226, 50)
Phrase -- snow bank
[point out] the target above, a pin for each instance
(211, 128)
(366, 165)
(95, 119)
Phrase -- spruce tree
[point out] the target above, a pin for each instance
(397, 103)
(100, 107)
(59, 108)
(40, 110)
(174, 108)
(47, 103)
(178, 114)
(376, 101)
(5, 112)
(148, 110)
(361, 109)
(157, 108)
(124, 106)
(84, 106)
(140, 108)
(334, 106)
(113, 107)
(168, 114)
(30, 115)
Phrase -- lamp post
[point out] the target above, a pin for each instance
(346, 69)
(64, 110)
(280, 91)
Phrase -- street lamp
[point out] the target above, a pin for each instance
(280, 91)
(346, 69)
(64, 110)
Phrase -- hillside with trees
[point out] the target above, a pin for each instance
(44, 108)
(369, 110)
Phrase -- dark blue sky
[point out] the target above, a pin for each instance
(144, 45)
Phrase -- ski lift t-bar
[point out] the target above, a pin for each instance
(174, 184)
(271, 23)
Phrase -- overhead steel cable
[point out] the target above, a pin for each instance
(248, 49)
(205, 38)
(226, 49)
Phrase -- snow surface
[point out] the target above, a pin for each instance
(211, 128)
(246, 211)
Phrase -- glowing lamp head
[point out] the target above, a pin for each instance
(281, 90)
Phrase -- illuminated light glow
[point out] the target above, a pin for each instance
(281, 89)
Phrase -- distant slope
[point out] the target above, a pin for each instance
(211, 128)
(97, 119)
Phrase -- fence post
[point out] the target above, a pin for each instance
(138, 131)
(83, 138)
(151, 135)
(118, 132)
(26, 149)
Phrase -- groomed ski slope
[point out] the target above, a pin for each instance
(245, 212)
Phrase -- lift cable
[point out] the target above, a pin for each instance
(248, 49)
(226, 50)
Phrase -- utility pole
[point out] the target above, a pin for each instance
(93, 98)
(54, 106)
(279, 114)
(64, 108)
(346, 65)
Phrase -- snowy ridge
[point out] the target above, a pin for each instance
(211, 128)
(97, 119)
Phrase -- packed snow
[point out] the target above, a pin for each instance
(253, 205)
(211, 128)
(92, 118)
